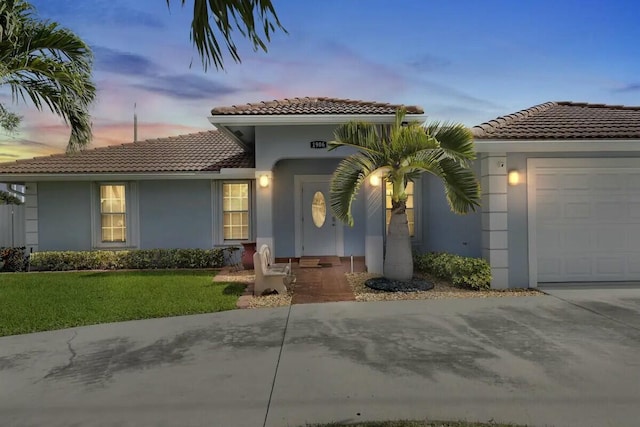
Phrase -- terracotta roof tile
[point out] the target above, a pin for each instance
(318, 105)
(196, 152)
(565, 120)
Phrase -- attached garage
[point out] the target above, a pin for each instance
(584, 220)
(561, 195)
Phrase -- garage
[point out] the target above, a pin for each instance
(584, 219)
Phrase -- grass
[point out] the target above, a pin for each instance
(32, 302)
(408, 423)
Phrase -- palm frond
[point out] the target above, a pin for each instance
(455, 139)
(254, 20)
(359, 135)
(460, 185)
(346, 182)
(50, 66)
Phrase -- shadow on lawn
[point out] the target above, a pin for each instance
(236, 289)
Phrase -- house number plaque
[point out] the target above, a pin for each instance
(318, 144)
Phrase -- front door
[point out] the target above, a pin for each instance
(319, 235)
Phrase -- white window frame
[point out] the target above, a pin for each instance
(131, 215)
(417, 210)
(218, 211)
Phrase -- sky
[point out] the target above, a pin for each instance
(462, 61)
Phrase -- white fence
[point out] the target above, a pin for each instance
(12, 231)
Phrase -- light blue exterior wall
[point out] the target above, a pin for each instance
(443, 230)
(64, 216)
(175, 214)
(517, 211)
(274, 143)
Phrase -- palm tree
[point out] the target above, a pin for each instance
(246, 16)
(47, 64)
(399, 153)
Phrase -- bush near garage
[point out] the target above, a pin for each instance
(466, 272)
(134, 259)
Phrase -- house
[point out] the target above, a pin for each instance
(561, 191)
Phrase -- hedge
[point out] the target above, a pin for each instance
(474, 273)
(13, 259)
(129, 259)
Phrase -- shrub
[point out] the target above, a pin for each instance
(474, 273)
(129, 259)
(13, 259)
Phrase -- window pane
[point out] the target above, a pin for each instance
(113, 228)
(113, 219)
(236, 225)
(235, 207)
(112, 199)
(318, 209)
(410, 202)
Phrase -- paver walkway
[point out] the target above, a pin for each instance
(325, 284)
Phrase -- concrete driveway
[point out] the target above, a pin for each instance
(569, 359)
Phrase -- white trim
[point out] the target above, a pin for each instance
(298, 181)
(494, 208)
(305, 119)
(553, 163)
(225, 173)
(555, 145)
(31, 216)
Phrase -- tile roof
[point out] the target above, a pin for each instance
(564, 120)
(196, 152)
(317, 106)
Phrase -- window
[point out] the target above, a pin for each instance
(113, 213)
(410, 207)
(235, 210)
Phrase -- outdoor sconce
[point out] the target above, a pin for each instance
(263, 181)
(514, 177)
(374, 180)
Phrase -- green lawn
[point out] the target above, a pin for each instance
(31, 302)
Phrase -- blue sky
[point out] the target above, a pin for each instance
(464, 61)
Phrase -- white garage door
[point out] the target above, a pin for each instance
(584, 219)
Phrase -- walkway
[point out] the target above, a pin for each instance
(326, 283)
(542, 361)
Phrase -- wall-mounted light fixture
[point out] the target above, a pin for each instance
(514, 177)
(374, 180)
(263, 181)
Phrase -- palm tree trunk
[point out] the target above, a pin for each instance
(398, 261)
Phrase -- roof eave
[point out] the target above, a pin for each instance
(305, 119)
(555, 145)
(224, 173)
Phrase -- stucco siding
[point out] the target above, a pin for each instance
(443, 230)
(274, 143)
(64, 216)
(175, 214)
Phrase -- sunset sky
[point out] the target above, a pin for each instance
(465, 61)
